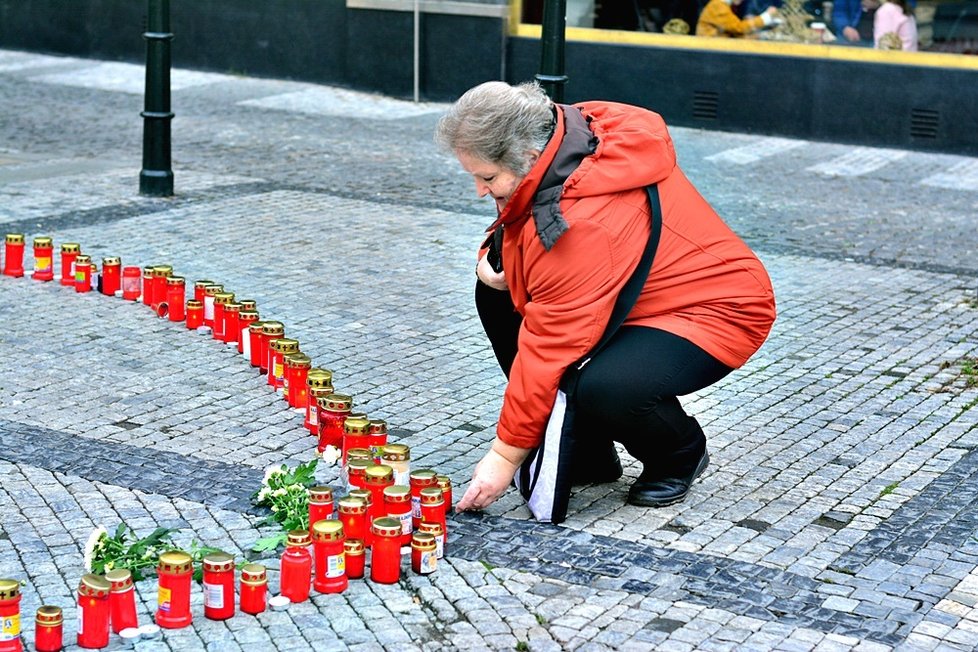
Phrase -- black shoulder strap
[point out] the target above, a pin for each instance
(633, 287)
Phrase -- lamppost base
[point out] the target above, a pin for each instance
(156, 183)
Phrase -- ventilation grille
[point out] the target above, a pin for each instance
(924, 123)
(705, 104)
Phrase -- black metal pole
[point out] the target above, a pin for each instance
(156, 177)
(551, 75)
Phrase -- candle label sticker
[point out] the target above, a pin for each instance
(10, 629)
(335, 565)
(405, 520)
(81, 620)
(162, 599)
(277, 372)
(415, 506)
(208, 308)
(429, 561)
(213, 596)
(42, 264)
(246, 342)
(440, 546)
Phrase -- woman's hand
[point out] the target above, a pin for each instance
(489, 276)
(492, 476)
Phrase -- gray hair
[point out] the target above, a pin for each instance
(499, 124)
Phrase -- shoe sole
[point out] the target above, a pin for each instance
(700, 468)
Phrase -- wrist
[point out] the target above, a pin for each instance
(514, 455)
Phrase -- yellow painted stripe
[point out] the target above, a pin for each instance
(755, 46)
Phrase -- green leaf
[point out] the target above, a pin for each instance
(268, 544)
(119, 531)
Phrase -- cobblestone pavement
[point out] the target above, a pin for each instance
(841, 508)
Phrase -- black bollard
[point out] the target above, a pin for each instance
(551, 75)
(156, 177)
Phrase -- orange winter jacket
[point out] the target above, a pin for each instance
(574, 230)
(718, 19)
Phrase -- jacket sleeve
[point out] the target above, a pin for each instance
(572, 290)
(721, 16)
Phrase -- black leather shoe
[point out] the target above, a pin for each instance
(596, 466)
(665, 491)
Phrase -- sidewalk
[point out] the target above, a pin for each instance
(840, 510)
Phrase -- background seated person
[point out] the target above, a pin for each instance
(718, 19)
(894, 17)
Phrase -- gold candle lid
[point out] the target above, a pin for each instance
(319, 377)
(176, 280)
(223, 297)
(386, 526)
(247, 315)
(351, 505)
(94, 586)
(320, 494)
(378, 427)
(162, 270)
(111, 261)
(337, 402)
(327, 530)
(298, 359)
(42, 241)
(284, 345)
(175, 561)
(248, 304)
(432, 496)
(423, 477)
(378, 474)
(431, 527)
(15, 238)
(70, 247)
(194, 303)
(218, 562)
(297, 538)
(423, 541)
(231, 306)
(49, 615)
(273, 328)
(9, 589)
(356, 426)
(397, 493)
(120, 579)
(253, 574)
(353, 547)
(395, 452)
(203, 283)
(213, 289)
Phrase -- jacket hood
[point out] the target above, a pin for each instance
(597, 148)
(634, 150)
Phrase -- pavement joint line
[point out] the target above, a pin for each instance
(555, 552)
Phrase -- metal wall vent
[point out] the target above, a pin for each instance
(705, 105)
(924, 123)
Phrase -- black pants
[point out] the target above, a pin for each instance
(627, 393)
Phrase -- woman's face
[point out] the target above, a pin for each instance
(491, 179)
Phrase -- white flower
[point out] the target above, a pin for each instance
(263, 494)
(281, 491)
(271, 471)
(330, 455)
(94, 541)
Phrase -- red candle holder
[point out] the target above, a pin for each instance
(69, 251)
(253, 350)
(254, 588)
(218, 586)
(436, 530)
(420, 479)
(245, 319)
(122, 600)
(320, 504)
(130, 283)
(157, 286)
(368, 502)
(111, 275)
(376, 478)
(174, 571)
(43, 259)
(445, 484)
(354, 435)
(270, 330)
(221, 299)
(195, 314)
(232, 317)
(377, 437)
(353, 515)
(199, 289)
(355, 553)
(83, 273)
(385, 558)
(176, 296)
(296, 569)
(333, 410)
(10, 640)
(424, 557)
(13, 260)
(48, 629)
(356, 472)
(278, 348)
(398, 457)
(433, 508)
(319, 384)
(147, 286)
(328, 538)
(93, 607)
(397, 504)
(297, 367)
(210, 291)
